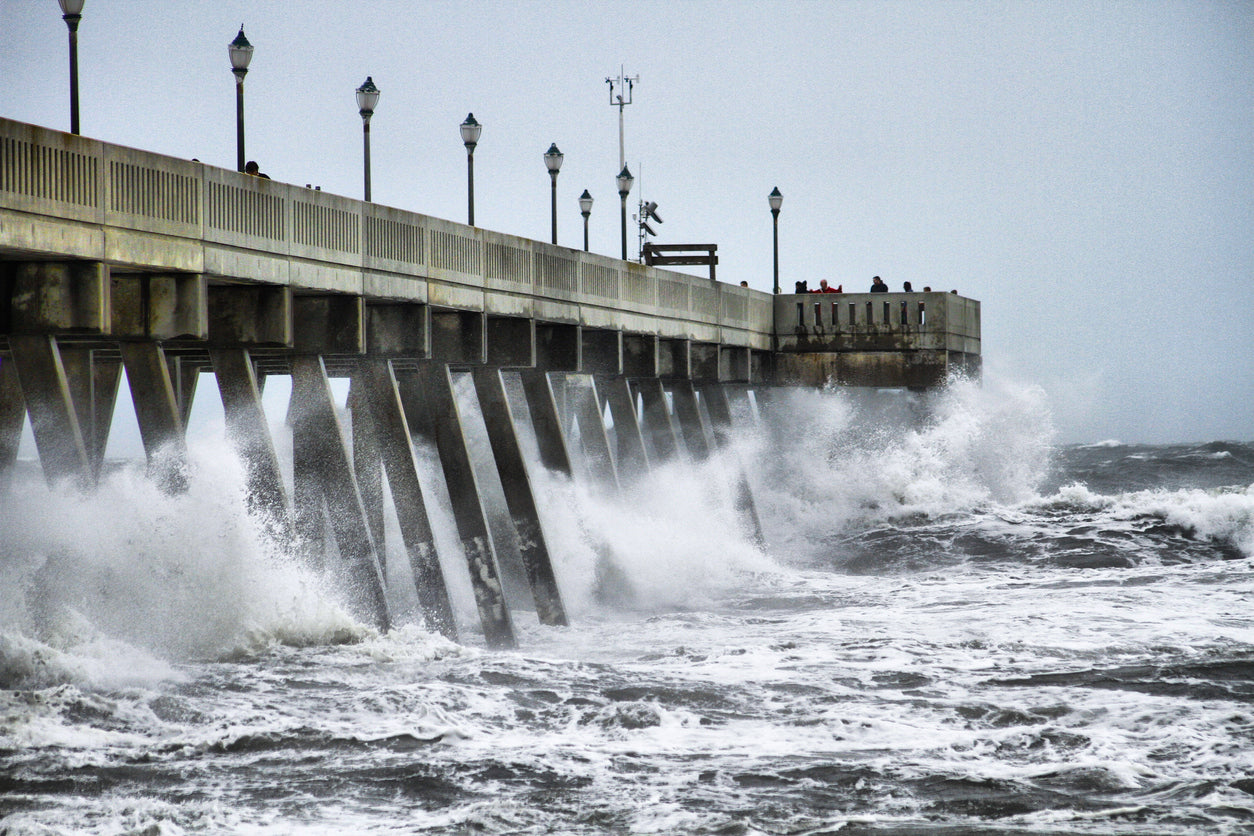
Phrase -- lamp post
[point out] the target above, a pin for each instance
(553, 161)
(367, 98)
(624, 188)
(470, 138)
(71, 13)
(585, 209)
(776, 200)
(241, 52)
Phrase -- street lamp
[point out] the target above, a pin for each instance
(585, 209)
(241, 52)
(71, 13)
(470, 138)
(367, 98)
(776, 200)
(553, 161)
(624, 188)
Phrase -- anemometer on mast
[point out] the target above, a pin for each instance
(620, 97)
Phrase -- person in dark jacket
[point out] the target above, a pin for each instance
(878, 286)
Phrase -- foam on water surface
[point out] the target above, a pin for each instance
(949, 629)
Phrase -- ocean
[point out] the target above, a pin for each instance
(956, 626)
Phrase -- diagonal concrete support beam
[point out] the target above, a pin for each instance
(657, 418)
(94, 384)
(691, 422)
(546, 421)
(596, 443)
(248, 430)
(633, 461)
(367, 458)
(12, 418)
(715, 397)
(519, 498)
(314, 421)
(380, 395)
(54, 422)
(157, 410)
(431, 407)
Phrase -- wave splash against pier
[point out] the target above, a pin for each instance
(955, 627)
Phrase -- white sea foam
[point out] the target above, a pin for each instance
(826, 460)
(174, 576)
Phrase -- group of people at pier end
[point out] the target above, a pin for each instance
(877, 286)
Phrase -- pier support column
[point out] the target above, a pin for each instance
(691, 422)
(633, 461)
(596, 443)
(247, 429)
(58, 437)
(431, 408)
(367, 460)
(94, 384)
(309, 518)
(380, 395)
(12, 418)
(657, 418)
(546, 421)
(318, 429)
(519, 497)
(717, 406)
(157, 411)
(184, 374)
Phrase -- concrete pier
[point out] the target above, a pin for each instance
(115, 258)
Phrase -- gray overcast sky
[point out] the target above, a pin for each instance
(1084, 169)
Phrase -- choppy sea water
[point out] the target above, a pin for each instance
(955, 627)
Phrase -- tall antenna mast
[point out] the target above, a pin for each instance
(620, 96)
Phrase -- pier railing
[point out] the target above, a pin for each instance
(832, 322)
(85, 199)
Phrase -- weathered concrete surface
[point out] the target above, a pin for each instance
(431, 408)
(316, 427)
(519, 496)
(380, 397)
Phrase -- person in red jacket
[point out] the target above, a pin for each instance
(823, 287)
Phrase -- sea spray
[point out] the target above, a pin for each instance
(827, 460)
(180, 576)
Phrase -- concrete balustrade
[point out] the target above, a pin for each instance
(85, 199)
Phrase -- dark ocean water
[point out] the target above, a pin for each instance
(956, 627)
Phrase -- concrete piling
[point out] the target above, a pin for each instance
(715, 397)
(519, 497)
(247, 429)
(379, 394)
(157, 410)
(596, 443)
(431, 409)
(94, 377)
(657, 418)
(54, 422)
(12, 419)
(633, 461)
(546, 421)
(691, 422)
(317, 429)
